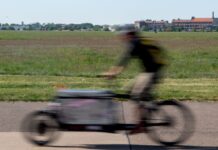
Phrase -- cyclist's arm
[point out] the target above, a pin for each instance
(122, 63)
(125, 57)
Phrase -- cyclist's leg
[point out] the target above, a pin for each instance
(142, 83)
(147, 92)
(142, 93)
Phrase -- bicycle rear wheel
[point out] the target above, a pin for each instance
(172, 123)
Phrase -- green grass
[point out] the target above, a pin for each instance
(77, 57)
(37, 35)
(191, 55)
(43, 88)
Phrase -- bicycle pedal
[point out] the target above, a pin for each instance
(138, 130)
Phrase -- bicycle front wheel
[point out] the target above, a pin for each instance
(172, 123)
(40, 128)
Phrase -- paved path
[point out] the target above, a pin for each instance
(11, 114)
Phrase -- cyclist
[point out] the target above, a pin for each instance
(152, 58)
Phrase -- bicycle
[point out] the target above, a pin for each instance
(71, 109)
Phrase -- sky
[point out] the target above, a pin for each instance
(103, 11)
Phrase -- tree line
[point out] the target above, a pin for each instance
(53, 26)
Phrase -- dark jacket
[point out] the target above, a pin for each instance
(147, 51)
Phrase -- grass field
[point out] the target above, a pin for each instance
(32, 64)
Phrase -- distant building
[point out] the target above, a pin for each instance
(114, 28)
(18, 28)
(197, 24)
(139, 24)
(215, 21)
(152, 25)
(193, 24)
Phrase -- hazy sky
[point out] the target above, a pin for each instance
(102, 11)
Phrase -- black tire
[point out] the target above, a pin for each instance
(40, 128)
(168, 120)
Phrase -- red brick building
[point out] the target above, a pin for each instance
(193, 24)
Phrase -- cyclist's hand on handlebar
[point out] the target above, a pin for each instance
(108, 75)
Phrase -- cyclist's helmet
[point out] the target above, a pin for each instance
(128, 29)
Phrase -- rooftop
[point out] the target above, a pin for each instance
(202, 20)
(193, 20)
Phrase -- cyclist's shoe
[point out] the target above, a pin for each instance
(137, 130)
(140, 128)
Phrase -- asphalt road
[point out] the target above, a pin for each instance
(205, 137)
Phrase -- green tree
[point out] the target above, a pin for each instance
(97, 28)
(144, 28)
